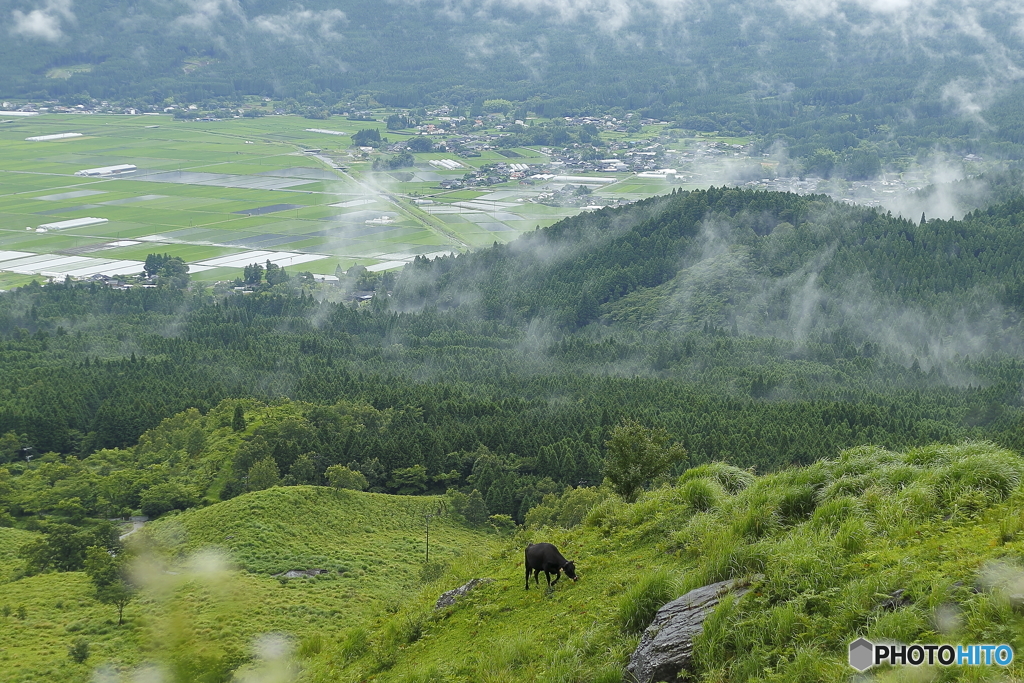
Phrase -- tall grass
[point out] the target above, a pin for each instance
(834, 542)
(641, 601)
(732, 479)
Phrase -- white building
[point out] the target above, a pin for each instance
(108, 170)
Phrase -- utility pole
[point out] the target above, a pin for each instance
(441, 509)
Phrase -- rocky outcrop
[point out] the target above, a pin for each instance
(666, 646)
(451, 596)
(300, 573)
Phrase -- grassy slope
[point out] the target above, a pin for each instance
(307, 527)
(833, 540)
(210, 595)
(10, 541)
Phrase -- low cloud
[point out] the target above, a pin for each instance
(301, 23)
(203, 15)
(610, 16)
(43, 23)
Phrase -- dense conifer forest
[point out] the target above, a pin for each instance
(763, 329)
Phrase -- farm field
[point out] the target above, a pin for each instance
(224, 194)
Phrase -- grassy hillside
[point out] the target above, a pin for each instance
(207, 592)
(10, 541)
(836, 542)
(310, 527)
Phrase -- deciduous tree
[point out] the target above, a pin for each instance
(637, 455)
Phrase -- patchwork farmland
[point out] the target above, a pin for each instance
(224, 194)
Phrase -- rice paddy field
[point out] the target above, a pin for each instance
(224, 194)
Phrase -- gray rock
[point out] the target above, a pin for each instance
(449, 598)
(666, 646)
(300, 573)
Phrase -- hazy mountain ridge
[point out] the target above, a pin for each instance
(767, 264)
(946, 70)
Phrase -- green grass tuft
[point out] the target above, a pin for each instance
(641, 602)
(731, 478)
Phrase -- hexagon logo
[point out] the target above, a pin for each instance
(862, 654)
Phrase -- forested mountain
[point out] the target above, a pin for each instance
(760, 328)
(900, 77)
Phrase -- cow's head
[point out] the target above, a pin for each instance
(570, 570)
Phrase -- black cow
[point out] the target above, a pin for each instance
(544, 557)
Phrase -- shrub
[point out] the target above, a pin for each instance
(641, 602)
(78, 651)
(637, 455)
(432, 571)
(567, 510)
(503, 524)
(341, 477)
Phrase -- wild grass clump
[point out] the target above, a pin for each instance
(863, 459)
(760, 519)
(641, 602)
(902, 625)
(980, 478)
(833, 512)
(732, 479)
(796, 503)
(800, 561)
(701, 495)
(512, 654)
(715, 646)
(696, 535)
(311, 645)
(1009, 528)
(432, 571)
(723, 556)
(429, 675)
(853, 535)
(601, 513)
(846, 486)
(355, 643)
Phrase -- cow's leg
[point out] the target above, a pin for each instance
(527, 577)
(558, 575)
